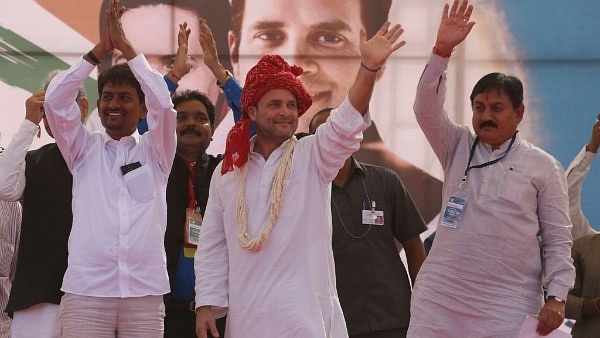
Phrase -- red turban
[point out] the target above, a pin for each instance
(271, 72)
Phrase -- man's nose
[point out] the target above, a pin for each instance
(487, 115)
(299, 52)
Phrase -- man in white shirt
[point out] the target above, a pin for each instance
(35, 296)
(116, 272)
(504, 231)
(264, 257)
(576, 173)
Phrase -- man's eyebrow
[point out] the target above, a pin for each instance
(332, 25)
(264, 24)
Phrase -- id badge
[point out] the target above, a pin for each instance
(454, 210)
(372, 217)
(193, 224)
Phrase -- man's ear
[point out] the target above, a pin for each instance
(144, 111)
(252, 113)
(84, 106)
(520, 112)
(234, 51)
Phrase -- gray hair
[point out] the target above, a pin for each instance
(80, 94)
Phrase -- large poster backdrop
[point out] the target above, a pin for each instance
(551, 49)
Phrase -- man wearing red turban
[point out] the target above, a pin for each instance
(264, 253)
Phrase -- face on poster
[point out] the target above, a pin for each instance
(38, 36)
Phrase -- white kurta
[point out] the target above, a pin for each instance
(482, 278)
(287, 289)
(576, 173)
(116, 245)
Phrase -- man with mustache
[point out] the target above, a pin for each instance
(187, 194)
(504, 230)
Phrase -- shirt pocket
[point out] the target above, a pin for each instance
(140, 184)
(518, 189)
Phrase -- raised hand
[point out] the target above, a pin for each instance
(115, 28)
(182, 63)
(454, 26)
(34, 107)
(208, 44)
(210, 55)
(594, 142)
(375, 51)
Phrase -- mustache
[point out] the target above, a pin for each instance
(191, 130)
(488, 124)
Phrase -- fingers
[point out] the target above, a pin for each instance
(384, 28)
(34, 107)
(454, 9)
(550, 318)
(213, 329)
(459, 11)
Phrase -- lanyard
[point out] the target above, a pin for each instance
(488, 163)
(191, 172)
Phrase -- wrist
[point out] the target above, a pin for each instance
(370, 68)
(224, 75)
(591, 148)
(557, 299)
(174, 76)
(442, 51)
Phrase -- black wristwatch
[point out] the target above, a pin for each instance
(558, 299)
(228, 76)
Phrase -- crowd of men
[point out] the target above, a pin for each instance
(131, 226)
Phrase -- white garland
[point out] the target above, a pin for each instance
(281, 175)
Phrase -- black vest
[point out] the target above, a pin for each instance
(47, 219)
(177, 202)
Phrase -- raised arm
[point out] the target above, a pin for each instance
(210, 54)
(576, 173)
(231, 88)
(454, 27)
(374, 53)
(12, 161)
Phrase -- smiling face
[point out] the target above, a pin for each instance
(120, 109)
(495, 120)
(320, 36)
(275, 116)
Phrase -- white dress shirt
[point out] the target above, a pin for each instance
(576, 173)
(116, 244)
(12, 162)
(287, 289)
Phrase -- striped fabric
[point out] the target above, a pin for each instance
(10, 227)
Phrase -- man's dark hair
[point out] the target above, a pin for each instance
(509, 84)
(119, 74)
(216, 12)
(190, 95)
(373, 14)
(311, 126)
